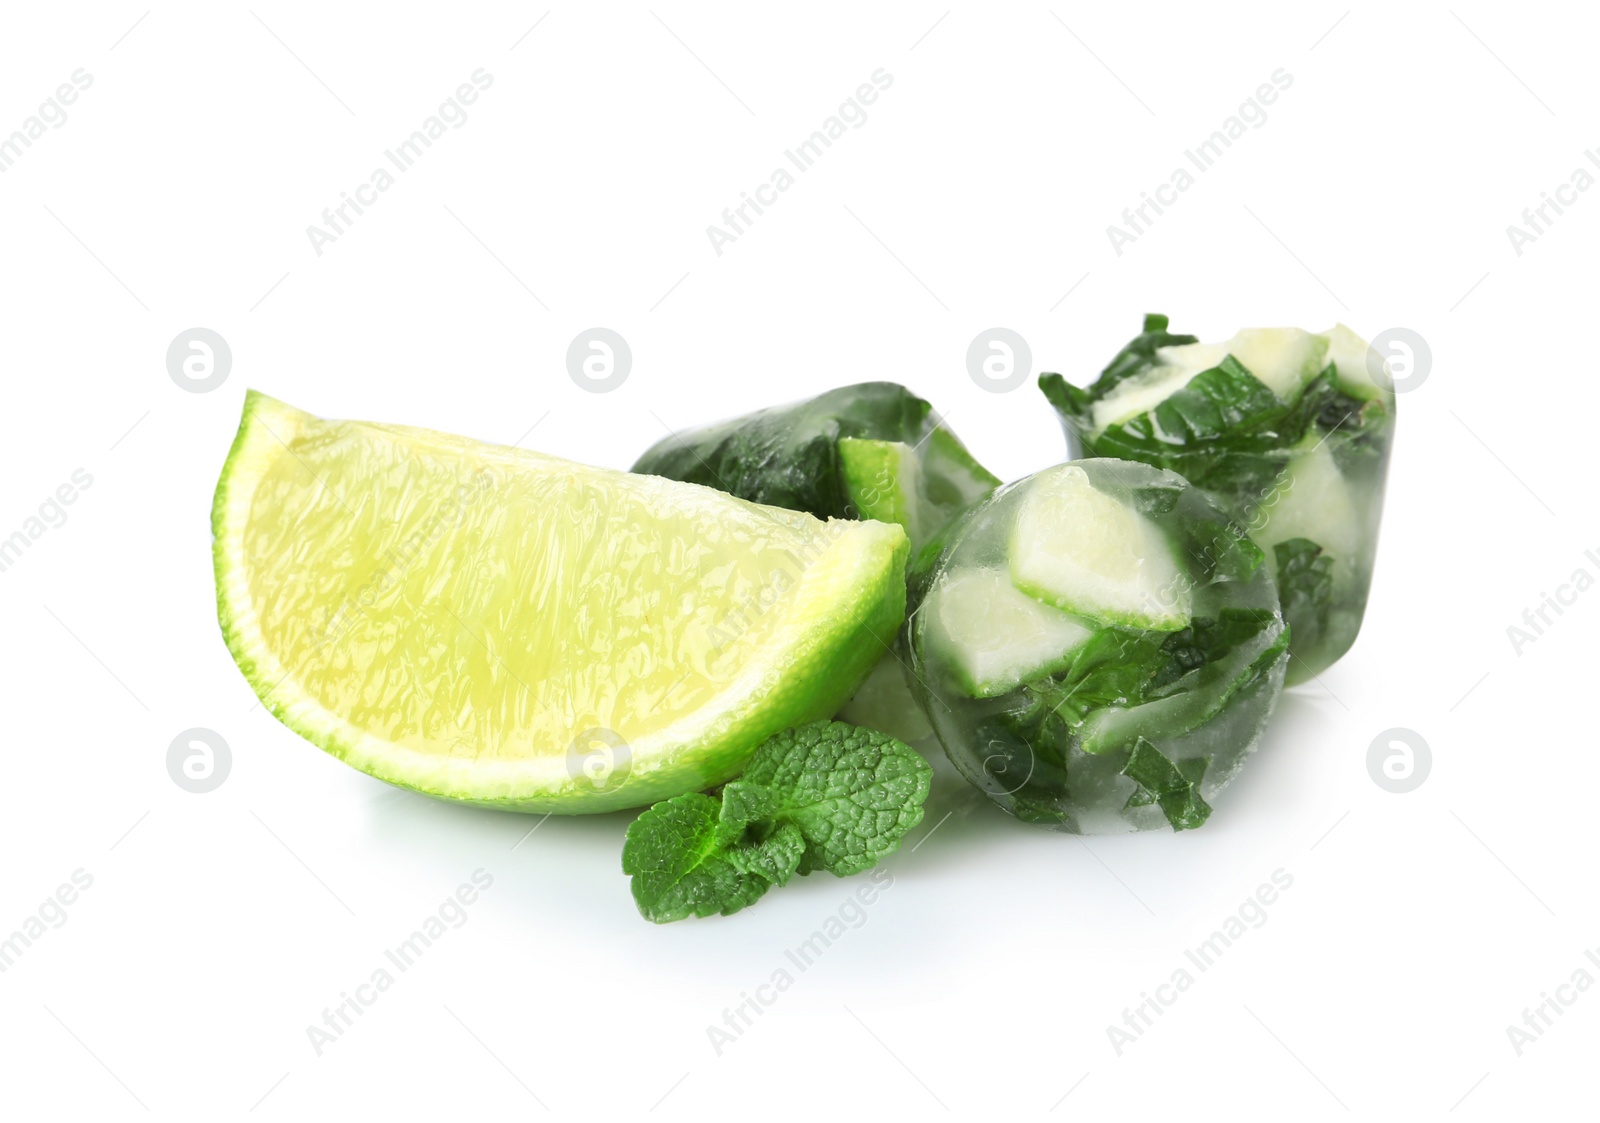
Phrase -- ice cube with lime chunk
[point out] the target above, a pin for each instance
(1290, 429)
(1099, 648)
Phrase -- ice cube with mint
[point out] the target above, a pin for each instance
(1098, 648)
(1290, 429)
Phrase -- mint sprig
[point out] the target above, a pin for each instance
(825, 796)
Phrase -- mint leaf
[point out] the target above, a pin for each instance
(852, 792)
(743, 805)
(776, 858)
(1214, 403)
(1135, 358)
(1140, 352)
(1222, 548)
(1122, 668)
(1176, 787)
(1206, 640)
(679, 866)
(1225, 408)
(1305, 589)
(826, 796)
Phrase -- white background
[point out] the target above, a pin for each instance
(978, 192)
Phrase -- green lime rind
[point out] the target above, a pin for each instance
(821, 647)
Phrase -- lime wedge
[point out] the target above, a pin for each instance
(922, 487)
(495, 626)
(881, 479)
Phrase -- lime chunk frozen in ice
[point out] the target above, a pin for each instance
(1096, 721)
(1290, 429)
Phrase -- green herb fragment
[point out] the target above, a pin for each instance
(1204, 642)
(776, 857)
(678, 866)
(1135, 358)
(825, 796)
(1174, 786)
(1214, 403)
(852, 792)
(1305, 588)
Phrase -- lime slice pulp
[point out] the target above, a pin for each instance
(496, 626)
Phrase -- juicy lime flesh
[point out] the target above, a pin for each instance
(1146, 390)
(1091, 554)
(1313, 500)
(1284, 359)
(553, 609)
(458, 600)
(998, 636)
